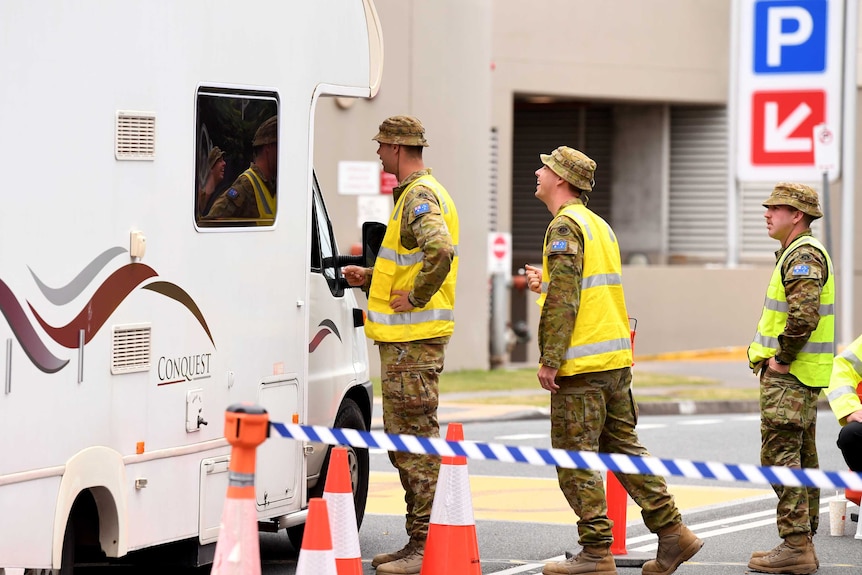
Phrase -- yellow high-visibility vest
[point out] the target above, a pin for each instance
(813, 365)
(396, 268)
(266, 202)
(844, 383)
(601, 340)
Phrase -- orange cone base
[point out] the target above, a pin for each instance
(451, 549)
(349, 566)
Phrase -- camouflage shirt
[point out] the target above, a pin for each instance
(565, 270)
(427, 231)
(239, 201)
(803, 296)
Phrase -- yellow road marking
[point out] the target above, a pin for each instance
(539, 500)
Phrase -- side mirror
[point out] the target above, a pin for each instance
(372, 238)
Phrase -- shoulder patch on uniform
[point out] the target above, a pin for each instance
(559, 245)
(800, 270)
(232, 193)
(563, 230)
(422, 209)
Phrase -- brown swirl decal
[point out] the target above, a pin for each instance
(100, 307)
(327, 326)
(177, 293)
(108, 296)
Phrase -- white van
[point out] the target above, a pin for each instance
(131, 318)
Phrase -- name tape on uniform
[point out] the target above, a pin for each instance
(616, 462)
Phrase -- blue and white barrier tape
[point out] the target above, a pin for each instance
(616, 462)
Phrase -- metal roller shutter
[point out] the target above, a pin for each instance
(538, 129)
(697, 219)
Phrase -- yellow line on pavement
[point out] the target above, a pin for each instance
(538, 500)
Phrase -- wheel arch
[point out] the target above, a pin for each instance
(100, 471)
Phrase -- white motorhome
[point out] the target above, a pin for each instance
(131, 318)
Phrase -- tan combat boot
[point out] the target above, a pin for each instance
(592, 560)
(676, 543)
(795, 556)
(407, 564)
(382, 558)
(776, 550)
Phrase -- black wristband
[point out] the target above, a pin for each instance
(780, 362)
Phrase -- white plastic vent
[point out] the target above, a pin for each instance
(135, 136)
(131, 348)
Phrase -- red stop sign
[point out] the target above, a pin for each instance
(499, 248)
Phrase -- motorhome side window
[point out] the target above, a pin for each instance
(236, 158)
(323, 248)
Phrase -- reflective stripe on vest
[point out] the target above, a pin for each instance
(844, 382)
(813, 364)
(396, 268)
(263, 197)
(601, 340)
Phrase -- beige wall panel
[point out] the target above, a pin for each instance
(629, 49)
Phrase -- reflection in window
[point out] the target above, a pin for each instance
(236, 158)
(323, 250)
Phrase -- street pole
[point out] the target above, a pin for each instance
(848, 188)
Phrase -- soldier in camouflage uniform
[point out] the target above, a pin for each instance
(586, 365)
(214, 175)
(410, 369)
(256, 186)
(793, 352)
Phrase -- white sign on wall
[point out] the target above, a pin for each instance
(358, 178)
(790, 62)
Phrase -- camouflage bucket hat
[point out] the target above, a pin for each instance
(401, 130)
(799, 196)
(267, 133)
(214, 156)
(573, 166)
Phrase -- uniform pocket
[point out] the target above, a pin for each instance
(381, 281)
(412, 388)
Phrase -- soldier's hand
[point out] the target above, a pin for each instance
(546, 376)
(775, 366)
(354, 275)
(534, 278)
(400, 302)
(855, 416)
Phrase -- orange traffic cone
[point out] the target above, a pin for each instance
(451, 546)
(238, 548)
(316, 556)
(338, 493)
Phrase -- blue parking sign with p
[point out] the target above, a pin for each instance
(790, 36)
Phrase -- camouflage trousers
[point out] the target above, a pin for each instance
(596, 412)
(410, 374)
(788, 420)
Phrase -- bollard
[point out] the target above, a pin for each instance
(238, 548)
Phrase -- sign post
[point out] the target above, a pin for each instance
(826, 160)
(499, 268)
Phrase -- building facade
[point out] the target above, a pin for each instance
(642, 89)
